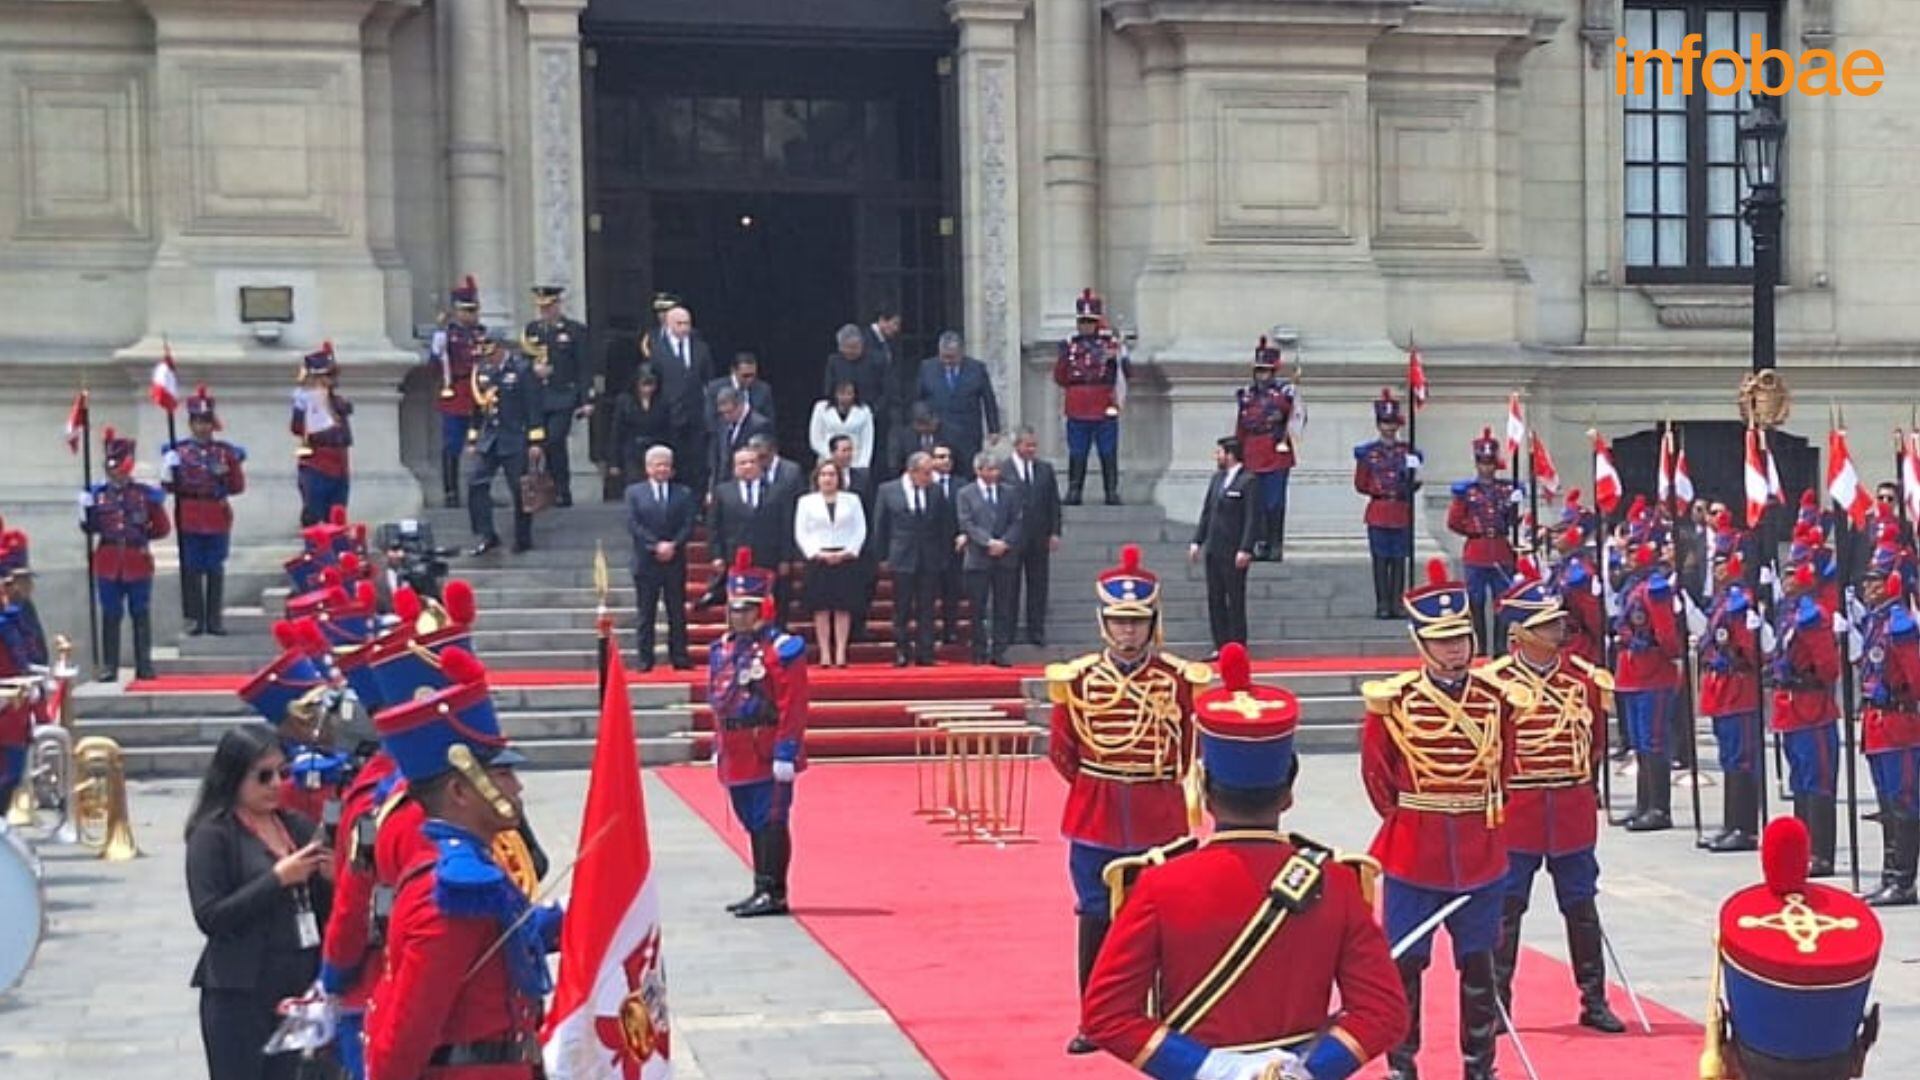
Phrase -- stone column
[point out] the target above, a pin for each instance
(553, 66)
(477, 153)
(1069, 158)
(989, 187)
(382, 228)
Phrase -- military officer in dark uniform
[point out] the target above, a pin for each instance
(567, 386)
(203, 473)
(506, 435)
(454, 349)
(124, 518)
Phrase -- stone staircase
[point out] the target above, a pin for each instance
(535, 632)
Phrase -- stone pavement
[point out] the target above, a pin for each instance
(759, 1000)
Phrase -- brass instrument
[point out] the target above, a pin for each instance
(469, 767)
(100, 800)
(1713, 1063)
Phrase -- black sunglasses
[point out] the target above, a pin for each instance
(268, 776)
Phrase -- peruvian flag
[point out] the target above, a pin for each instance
(1910, 474)
(1544, 472)
(1664, 486)
(76, 430)
(1606, 480)
(1843, 482)
(1516, 427)
(1758, 478)
(1416, 378)
(164, 387)
(1682, 479)
(609, 1015)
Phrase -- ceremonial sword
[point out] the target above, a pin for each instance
(1626, 982)
(1432, 922)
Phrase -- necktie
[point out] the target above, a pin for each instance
(953, 376)
(919, 502)
(754, 493)
(680, 350)
(660, 494)
(991, 501)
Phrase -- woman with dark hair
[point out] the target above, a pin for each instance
(830, 529)
(641, 421)
(259, 879)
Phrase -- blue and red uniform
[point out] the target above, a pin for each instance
(322, 421)
(1890, 727)
(1263, 420)
(1805, 667)
(1088, 367)
(1484, 512)
(124, 518)
(454, 354)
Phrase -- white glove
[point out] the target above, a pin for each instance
(1518, 498)
(1754, 621)
(1767, 639)
(1236, 1065)
(170, 459)
(86, 500)
(1696, 619)
(439, 347)
(1856, 611)
(783, 772)
(1840, 624)
(1856, 648)
(1415, 461)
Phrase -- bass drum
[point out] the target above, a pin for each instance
(23, 898)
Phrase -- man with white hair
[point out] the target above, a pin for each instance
(660, 519)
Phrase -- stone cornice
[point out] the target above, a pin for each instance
(1351, 16)
(963, 11)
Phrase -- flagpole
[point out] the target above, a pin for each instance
(1413, 449)
(1843, 526)
(179, 534)
(1770, 551)
(86, 536)
(1601, 574)
(603, 618)
(1533, 501)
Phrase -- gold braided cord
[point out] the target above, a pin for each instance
(1565, 701)
(1146, 703)
(1439, 765)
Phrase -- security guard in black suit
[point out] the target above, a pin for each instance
(505, 434)
(567, 385)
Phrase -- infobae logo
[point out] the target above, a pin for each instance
(1771, 72)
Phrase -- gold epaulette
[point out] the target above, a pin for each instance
(1194, 672)
(1600, 676)
(1380, 694)
(1495, 673)
(1060, 676)
(1121, 873)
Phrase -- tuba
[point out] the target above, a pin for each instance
(100, 799)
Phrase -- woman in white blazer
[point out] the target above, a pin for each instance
(844, 415)
(830, 529)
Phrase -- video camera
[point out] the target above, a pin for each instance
(412, 558)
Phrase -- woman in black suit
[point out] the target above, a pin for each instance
(642, 420)
(260, 882)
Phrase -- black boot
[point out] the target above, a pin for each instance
(1076, 478)
(193, 601)
(1506, 954)
(1396, 585)
(1656, 794)
(1889, 855)
(1277, 535)
(450, 478)
(1382, 583)
(1093, 934)
(1110, 477)
(216, 603)
(1401, 1063)
(1479, 1017)
(1587, 950)
(109, 648)
(1821, 809)
(1908, 854)
(758, 842)
(143, 645)
(1741, 811)
(770, 897)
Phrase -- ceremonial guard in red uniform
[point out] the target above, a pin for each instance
(1485, 510)
(757, 688)
(1553, 813)
(1092, 367)
(1792, 975)
(1573, 580)
(26, 636)
(454, 352)
(321, 421)
(1267, 417)
(124, 518)
(203, 473)
(351, 953)
(1225, 953)
(1434, 757)
(1805, 667)
(466, 969)
(1385, 471)
(1730, 652)
(1647, 646)
(1122, 738)
(1890, 723)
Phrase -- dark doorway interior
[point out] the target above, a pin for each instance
(1716, 460)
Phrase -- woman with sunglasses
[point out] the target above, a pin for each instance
(259, 878)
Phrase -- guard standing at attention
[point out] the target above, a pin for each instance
(1646, 679)
(203, 473)
(1805, 667)
(1267, 417)
(1484, 510)
(505, 435)
(1092, 367)
(1122, 738)
(1385, 471)
(321, 423)
(1730, 652)
(1225, 1002)
(456, 348)
(1890, 723)
(566, 388)
(124, 518)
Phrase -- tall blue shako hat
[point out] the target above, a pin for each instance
(295, 677)
(1246, 730)
(433, 734)
(408, 660)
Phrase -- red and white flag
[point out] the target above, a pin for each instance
(1757, 478)
(609, 1015)
(1843, 482)
(1416, 378)
(164, 386)
(1663, 489)
(1682, 480)
(76, 430)
(1606, 480)
(1516, 427)
(1910, 474)
(1544, 472)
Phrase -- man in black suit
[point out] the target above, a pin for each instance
(919, 435)
(880, 340)
(957, 388)
(747, 513)
(745, 379)
(1040, 500)
(1229, 523)
(685, 365)
(734, 426)
(853, 364)
(990, 516)
(785, 482)
(951, 585)
(910, 530)
(660, 520)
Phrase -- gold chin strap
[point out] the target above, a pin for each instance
(460, 756)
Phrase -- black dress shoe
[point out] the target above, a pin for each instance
(1651, 821)
(484, 546)
(1080, 1044)
(643, 666)
(1000, 661)
(901, 660)
(682, 663)
(925, 661)
(1735, 840)
(762, 905)
(563, 500)
(521, 547)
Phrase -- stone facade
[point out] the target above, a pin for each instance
(1364, 172)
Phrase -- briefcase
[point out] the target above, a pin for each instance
(536, 490)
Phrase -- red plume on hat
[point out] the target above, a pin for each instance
(1573, 536)
(1437, 572)
(1637, 507)
(337, 516)
(311, 637)
(349, 565)
(461, 667)
(1785, 852)
(1803, 575)
(1807, 502)
(1644, 555)
(1573, 498)
(406, 604)
(1895, 585)
(285, 635)
(1736, 566)
(1130, 558)
(330, 577)
(364, 594)
(459, 601)
(1236, 670)
(743, 559)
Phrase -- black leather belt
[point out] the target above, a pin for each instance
(502, 1052)
(748, 723)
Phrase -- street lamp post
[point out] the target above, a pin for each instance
(1761, 133)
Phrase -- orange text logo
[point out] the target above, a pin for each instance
(1769, 71)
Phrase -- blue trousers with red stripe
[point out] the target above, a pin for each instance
(1813, 759)
(1896, 779)
(1738, 737)
(1648, 714)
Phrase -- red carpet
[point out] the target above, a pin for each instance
(970, 948)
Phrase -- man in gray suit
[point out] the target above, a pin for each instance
(911, 534)
(956, 387)
(992, 519)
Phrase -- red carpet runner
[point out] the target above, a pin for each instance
(970, 948)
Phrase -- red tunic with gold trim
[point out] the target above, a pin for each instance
(204, 476)
(125, 519)
(757, 688)
(1483, 512)
(462, 342)
(1435, 761)
(1890, 678)
(1124, 740)
(1806, 664)
(1260, 423)
(1551, 807)
(1180, 919)
(350, 961)
(1729, 658)
(1579, 593)
(1087, 366)
(1646, 637)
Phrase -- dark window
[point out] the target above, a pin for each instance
(1683, 181)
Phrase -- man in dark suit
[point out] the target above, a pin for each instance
(919, 435)
(952, 583)
(558, 345)
(734, 426)
(786, 482)
(853, 364)
(660, 520)
(991, 516)
(1229, 524)
(1040, 502)
(747, 512)
(685, 365)
(957, 388)
(880, 339)
(745, 379)
(910, 531)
